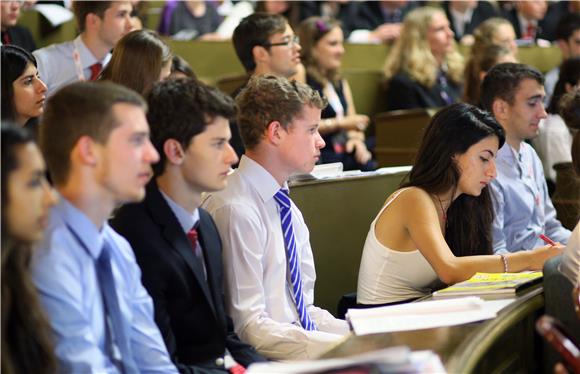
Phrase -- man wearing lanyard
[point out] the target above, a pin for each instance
(268, 261)
(101, 25)
(514, 94)
(95, 139)
(176, 243)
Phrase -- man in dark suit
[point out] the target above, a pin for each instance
(465, 16)
(176, 243)
(526, 18)
(11, 32)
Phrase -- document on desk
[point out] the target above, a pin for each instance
(391, 360)
(423, 315)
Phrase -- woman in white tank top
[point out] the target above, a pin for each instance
(437, 228)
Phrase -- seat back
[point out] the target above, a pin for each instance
(399, 134)
(560, 305)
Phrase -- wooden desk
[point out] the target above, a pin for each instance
(506, 344)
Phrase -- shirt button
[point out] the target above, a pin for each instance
(219, 361)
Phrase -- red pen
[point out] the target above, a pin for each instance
(547, 240)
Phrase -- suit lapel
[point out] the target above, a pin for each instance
(171, 230)
(211, 254)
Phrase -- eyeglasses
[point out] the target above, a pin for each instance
(291, 42)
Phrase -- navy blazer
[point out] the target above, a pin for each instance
(189, 310)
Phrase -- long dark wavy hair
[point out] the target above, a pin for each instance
(26, 336)
(451, 132)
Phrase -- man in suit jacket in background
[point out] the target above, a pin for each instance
(465, 16)
(182, 267)
(526, 18)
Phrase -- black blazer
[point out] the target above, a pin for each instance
(512, 16)
(189, 310)
(482, 12)
(405, 93)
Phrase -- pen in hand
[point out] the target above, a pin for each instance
(547, 240)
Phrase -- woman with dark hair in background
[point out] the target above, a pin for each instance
(554, 140)
(139, 59)
(26, 199)
(23, 92)
(341, 128)
(437, 227)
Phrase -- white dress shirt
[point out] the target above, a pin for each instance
(553, 144)
(570, 265)
(258, 296)
(56, 64)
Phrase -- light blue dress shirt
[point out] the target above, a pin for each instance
(64, 272)
(523, 209)
(56, 65)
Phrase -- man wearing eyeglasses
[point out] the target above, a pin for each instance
(265, 44)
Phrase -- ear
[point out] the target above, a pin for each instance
(173, 151)
(259, 53)
(482, 75)
(275, 132)
(86, 151)
(92, 21)
(500, 109)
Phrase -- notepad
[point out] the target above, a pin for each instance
(499, 284)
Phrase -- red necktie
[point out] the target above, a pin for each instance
(192, 236)
(530, 32)
(95, 70)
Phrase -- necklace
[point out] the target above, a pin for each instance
(443, 212)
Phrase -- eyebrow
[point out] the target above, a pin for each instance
(538, 96)
(489, 151)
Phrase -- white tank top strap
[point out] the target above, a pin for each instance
(391, 200)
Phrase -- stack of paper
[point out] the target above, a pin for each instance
(390, 360)
(423, 315)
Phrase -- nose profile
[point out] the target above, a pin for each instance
(492, 170)
(151, 155)
(231, 156)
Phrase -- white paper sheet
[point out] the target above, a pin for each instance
(424, 315)
(398, 360)
(55, 14)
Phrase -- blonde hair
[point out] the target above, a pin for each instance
(485, 32)
(412, 55)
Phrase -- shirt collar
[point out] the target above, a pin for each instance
(463, 17)
(87, 57)
(260, 178)
(524, 22)
(81, 226)
(186, 219)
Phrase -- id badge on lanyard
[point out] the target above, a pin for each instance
(77, 60)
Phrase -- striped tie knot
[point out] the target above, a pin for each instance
(282, 198)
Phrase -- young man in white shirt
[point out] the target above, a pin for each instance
(101, 25)
(269, 297)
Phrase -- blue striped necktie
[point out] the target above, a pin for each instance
(283, 200)
(117, 333)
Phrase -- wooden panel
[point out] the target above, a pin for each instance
(398, 135)
(338, 214)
